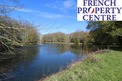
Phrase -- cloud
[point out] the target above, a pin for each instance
(66, 4)
(54, 16)
(44, 14)
(21, 9)
(59, 6)
(51, 6)
(25, 10)
(69, 3)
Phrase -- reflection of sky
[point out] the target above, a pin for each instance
(50, 15)
(48, 60)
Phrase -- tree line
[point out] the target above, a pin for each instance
(100, 33)
(59, 37)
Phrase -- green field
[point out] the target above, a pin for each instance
(98, 67)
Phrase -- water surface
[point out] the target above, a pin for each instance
(40, 61)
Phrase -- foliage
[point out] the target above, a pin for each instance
(75, 37)
(54, 37)
(80, 37)
(106, 32)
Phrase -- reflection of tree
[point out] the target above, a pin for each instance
(8, 65)
(76, 49)
(62, 48)
(57, 49)
(26, 55)
(30, 52)
(84, 48)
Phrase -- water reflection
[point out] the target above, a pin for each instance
(36, 62)
(8, 65)
(76, 49)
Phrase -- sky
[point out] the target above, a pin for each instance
(50, 16)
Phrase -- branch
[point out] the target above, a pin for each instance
(10, 40)
(7, 47)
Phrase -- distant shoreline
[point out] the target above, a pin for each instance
(58, 43)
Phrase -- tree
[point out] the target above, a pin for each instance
(8, 5)
(75, 37)
(14, 33)
(80, 37)
(105, 32)
(54, 37)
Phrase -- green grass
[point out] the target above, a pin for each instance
(98, 67)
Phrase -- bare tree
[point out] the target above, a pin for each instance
(15, 33)
(8, 5)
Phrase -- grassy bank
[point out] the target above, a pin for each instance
(97, 67)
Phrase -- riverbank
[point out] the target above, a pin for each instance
(60, 43)
(99, 66)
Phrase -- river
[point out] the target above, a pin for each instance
(40, 61)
